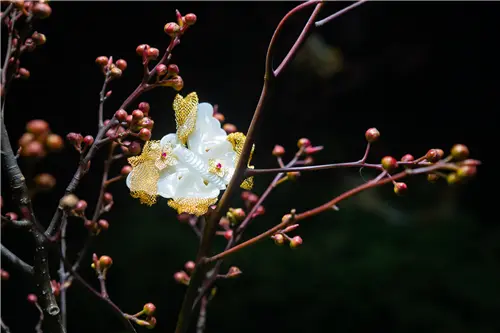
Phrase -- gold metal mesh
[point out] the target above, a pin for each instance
(238, 140)
(215, 167)
(185, 115)
(145, 174)
(196, 206)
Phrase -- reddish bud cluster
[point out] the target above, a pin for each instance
(38, 140)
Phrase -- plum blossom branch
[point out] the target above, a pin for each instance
(324, 21)
(16, 260)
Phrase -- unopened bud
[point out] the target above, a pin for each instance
(459, 152)
(121, 64)
(279, 239)
(4, 274)
(102, 61)
(88, 140)
(105, 262)
(172, 29)
(144, 107)
(126, 170)
(145, 134)
(181, 277)
(149, 309)
(452, 178)
(161, 70)
(229, 128)
(115, 73)
(69, 201)
(407, 158)
(45, 181)
(466, 171)
(295, 242)
(173, 69)
(228, 234)
(33, 149)
(177, 83)
(312, 150)
(400, 188)
(152, 53)
(389, 163)
(39, 38)
(37, 126)
(434, 155)
(32, 298)
(54, 142)
(372, 135)
(278, 151)
(233, 272)
(303, 143)
(121, 115)
(293, 175)
(41, 10)
(24, 73)
(432, 178)
(80, 207)
(190, 19)
(189, 266)
(219, 116)
(141, 48)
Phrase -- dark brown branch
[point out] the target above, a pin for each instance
(16, 260)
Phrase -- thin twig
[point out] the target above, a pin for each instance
(5, 328)
(38, 327)
(326, 20)
(16, 260)
(202, 317)
(62, 272)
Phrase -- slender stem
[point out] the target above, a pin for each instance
(102, 99)
(38, 327)
(324, 21)
(102, 283)
(302, 37)
(7, 11)
(62, 272)
(358, 164)
(202, 318)
(16, 260)
(211, 225)
(5, 328)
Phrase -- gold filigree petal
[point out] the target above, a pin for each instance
(185, 115)
(195, 206)
(144, 176)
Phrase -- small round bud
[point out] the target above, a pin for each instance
(4, 274)
(278, 151)
(121, 115)
(229, 128)
(146, 122)
(137, 115)
(389, 163)
(372, 135)
(149, 309)
(287, 218)
(233, 271)
(151, 323)
(295, 242)
(89, 225)
(54, 142)
(452, 178)
(105, 262)
(115, 73)
(238, 213)
(219, 116)
(24, 73)
(88, 140)
(152, 53)
(80, 207)
(293, 175)
(45, 181)
(190, 19)
(25, 139)
(145, 134)
(103, 224)
(161, 70)
(433, 155)
(33, 149)
(245, 195)
(181, 277)
(144, 107)
(228, 234)
(407, 158)
(102, 61)
(173, 69)
(134, 148)
(400, 188)
(252, 199)
(107, 197)
(41, 10)
(177, 83)
(69, 201)
(279, 239)
(121, 64)
(303, 143)
(32, 298)
(459, 152)
(129, 119)
(189, 266)
(432, 178)
(38, 127)
(126, 170)
(224, 222)
(172, 29)
(39, 38)
(466, 171)
(11, 215)
(141, 48)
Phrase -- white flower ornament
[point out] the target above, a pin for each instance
(189, 167)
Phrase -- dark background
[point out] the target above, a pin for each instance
(425, 74)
